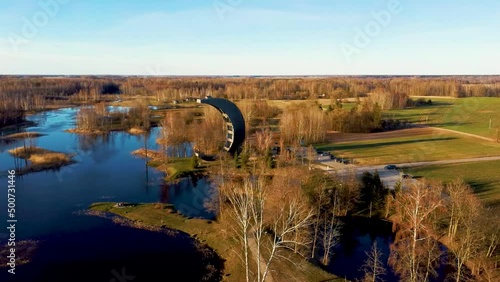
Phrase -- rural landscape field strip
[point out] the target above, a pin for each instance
(414, 148)
(475, 115)
(484, 177)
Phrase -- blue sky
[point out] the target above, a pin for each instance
(249, 37)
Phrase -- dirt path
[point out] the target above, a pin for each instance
(416, 130)
(461, 133)
(252, 244)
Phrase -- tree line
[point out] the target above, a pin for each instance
(24, 94)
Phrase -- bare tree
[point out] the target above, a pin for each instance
(165, 136)
(319, 200)
(311, 155)
(457, 191)
(414, 211)
(263, 140)
(294, 216)
(465, 211)
(264, 223)
(241, 201)
(373, 266)
(330, 227)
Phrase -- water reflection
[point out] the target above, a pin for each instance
(105, 170)
(189, 196)
(357, 238)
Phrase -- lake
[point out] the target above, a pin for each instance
(76, 247)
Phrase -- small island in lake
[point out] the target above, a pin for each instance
(41, 159)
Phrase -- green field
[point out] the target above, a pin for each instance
(470, 115)
(484, 177)
(425, 147)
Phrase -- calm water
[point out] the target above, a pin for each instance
(83, 248)
(358, 237)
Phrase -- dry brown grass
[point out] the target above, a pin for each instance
(136, 131)
(49, 158)
(23, 135)
(26, 152)
(41, 159)
(150, 154)
(85, 132)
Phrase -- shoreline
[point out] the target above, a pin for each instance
(175, 168)
(214, 234)
(110, 210)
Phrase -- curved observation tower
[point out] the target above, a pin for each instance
(235, 123)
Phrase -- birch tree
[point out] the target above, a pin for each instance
(241, 201)
(414, 210)
(374, 266)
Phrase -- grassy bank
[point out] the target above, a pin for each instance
(175, 168)
(217, 235)
(23, 135)
(24, 252)
(432, 146)
(41, 159)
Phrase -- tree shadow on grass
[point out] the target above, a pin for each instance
(409, 116)
(382, 144)
(447, 124)
(484, 188)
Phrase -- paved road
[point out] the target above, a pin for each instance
(391, 177)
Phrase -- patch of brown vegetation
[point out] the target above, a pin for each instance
(24, 252)
(82, 131)
(41, 159)
(23, 135)
(136, 131)
(147, 153)
(49, 158)
(26, 152)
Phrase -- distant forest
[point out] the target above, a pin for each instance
(19, 95)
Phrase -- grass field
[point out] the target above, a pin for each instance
(484, 177)
(421, 145)
(470, 115)
(216, 236)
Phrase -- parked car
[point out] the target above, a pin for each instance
(390, 167)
